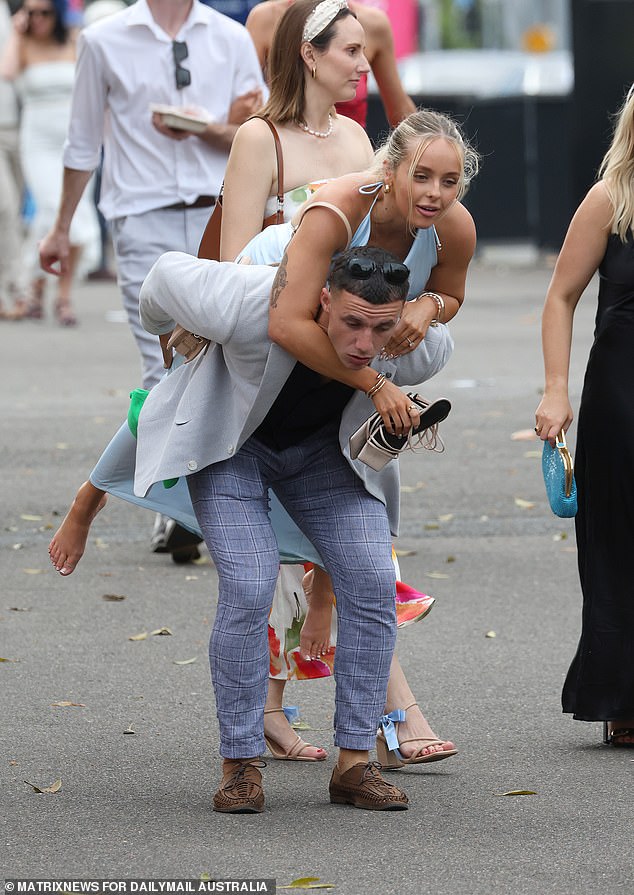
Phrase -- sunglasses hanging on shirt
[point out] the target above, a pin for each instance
(183, 75)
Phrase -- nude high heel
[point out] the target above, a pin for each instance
(295, 753)
(387, 744)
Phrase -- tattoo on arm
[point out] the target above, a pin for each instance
(280, 281)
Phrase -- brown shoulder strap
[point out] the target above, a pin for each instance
(280, 169)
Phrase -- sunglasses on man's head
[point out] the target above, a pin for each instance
(393, 272)
(183, 75)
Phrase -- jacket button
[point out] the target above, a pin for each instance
(192, 465)
(230, 449)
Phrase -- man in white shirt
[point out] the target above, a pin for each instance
(159, 184)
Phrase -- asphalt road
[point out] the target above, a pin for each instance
(139, 805)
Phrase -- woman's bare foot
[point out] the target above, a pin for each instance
(415, 734)
(314, 639)
(69, 541)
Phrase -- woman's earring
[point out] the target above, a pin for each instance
(314, 72)
(387, 188)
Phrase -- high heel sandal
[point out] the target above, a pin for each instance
(614, 738)
(387, 743)
(295, 753)
(64, 314)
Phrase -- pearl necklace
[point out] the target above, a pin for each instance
(321, 134)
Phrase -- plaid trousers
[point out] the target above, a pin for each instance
(349, 528)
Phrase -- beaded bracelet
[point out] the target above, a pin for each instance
(378, 385)
(440, 304)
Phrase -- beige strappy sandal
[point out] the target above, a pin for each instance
(295, 753)
(390, 756)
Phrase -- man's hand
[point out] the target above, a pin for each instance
(54, 249)
(170, 132)
(244, 106)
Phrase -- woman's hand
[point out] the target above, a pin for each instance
(553, 414)
(396, 409)
(411, 328)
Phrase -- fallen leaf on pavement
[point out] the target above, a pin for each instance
(431, 526)
(28, 518)
(142, 636)
(191, 577)
(54, 787)
(436, 575)
(161, 632)
(405, 552)
(65, 703)
(446, 517)
(524, 504)
(34, 571)
(7, 660)
(129, 730)
(490, 634)
(534, 454)
(112, 598)
(516, 792)
(524, 435)
(184, 661)
(18, 609)
(307, 882)
(560, 536)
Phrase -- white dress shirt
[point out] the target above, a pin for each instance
(125, 62)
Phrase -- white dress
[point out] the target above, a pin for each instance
(45, 90)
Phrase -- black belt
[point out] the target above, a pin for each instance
(200, 202)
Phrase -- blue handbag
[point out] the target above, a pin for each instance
(559, 478)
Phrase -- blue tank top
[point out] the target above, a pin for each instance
(268, 247)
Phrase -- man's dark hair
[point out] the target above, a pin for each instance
(374, 285)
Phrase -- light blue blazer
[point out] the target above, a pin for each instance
(204, 411)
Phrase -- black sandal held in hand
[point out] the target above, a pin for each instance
(375, 446)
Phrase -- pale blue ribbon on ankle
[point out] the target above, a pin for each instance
(387, 723)
(292, 714)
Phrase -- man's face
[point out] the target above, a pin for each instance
(357, 329)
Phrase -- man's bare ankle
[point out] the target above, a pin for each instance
(349, 757)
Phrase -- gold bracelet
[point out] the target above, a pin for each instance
(378, 385)
(440, 304)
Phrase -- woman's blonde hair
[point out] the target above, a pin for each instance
(423, 127)
(617, 169)
(285, 67)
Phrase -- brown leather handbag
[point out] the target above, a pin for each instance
(210, 243)
(189, 344)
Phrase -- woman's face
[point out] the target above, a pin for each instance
(426, 195)
(340, 67)
(40, 17)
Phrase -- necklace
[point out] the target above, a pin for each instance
(321, 134)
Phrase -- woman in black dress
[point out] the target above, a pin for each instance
(600, 682)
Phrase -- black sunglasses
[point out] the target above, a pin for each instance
(393, 272)
(183, 75)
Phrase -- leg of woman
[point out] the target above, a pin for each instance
(69, 541)
(279, 732)
(314, 640)
(63, 307)
(35, 310)
(415, 732)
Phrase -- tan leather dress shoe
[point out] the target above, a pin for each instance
(241, 792)
(362, 786)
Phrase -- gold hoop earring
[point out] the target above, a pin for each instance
(313, 72)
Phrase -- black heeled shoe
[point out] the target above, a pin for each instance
(616, 737)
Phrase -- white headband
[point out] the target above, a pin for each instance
(321, 16)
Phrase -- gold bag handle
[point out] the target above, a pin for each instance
(569, 471)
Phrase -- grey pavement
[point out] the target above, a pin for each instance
(139, 805)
